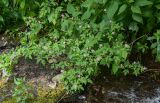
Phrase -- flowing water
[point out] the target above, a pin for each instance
(121, 90)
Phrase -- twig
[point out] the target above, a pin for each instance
(137, 39)
(61, 97)
(148, 70)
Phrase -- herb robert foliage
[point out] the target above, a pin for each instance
(79, 36)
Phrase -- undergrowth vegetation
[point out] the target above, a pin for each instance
(80, 36)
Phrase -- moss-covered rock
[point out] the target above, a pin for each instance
(42, 93)
(50, 95)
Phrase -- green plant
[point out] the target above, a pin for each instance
(7, 62)
(78, 38)
(22, 92)
(13, 11)
(155, 40)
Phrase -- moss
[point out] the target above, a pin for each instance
(3, 83)
(44, 95)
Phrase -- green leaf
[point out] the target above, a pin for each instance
(136, 9)
(130, 1)
(148, 13)
(150, 38)
(154, 45)
(158, 51)
(5, 2)
(122, 9)
(137, 18)
(143, 3)
(22, 5)
(158, 6)
(124, 54)
(112, 9)
(158, 16)
(133, 26)
(114, 68)
(1, 19)
(70, 9)
(86, 15)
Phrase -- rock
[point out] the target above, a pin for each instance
(42, 94)
(57, 78)
(53, 85)
(3, 41)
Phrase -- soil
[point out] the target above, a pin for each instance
(34, 72)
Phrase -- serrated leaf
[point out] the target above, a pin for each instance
(112, 9)
(137, 18)
(122, 9)
(136, 9)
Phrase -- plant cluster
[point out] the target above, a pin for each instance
(80, 36)
(22, 92)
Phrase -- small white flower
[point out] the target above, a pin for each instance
(62, 15)
(92, 50)
(126, 45)
(145, 68)
(98, 59)
(100, 45)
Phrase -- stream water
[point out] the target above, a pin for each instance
(132, 90)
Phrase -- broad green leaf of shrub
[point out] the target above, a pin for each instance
(70, 8)
(1, 19)
(22, 4)
(122, 9)
(143, 2)
(112, 9)
(136, 9)
(86, 15)
(137, 18)
(114, 68)
(157, 6)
